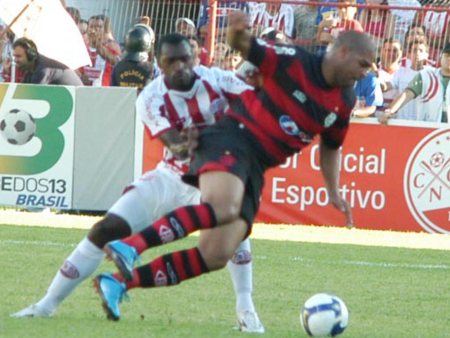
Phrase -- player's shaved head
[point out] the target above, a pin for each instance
(349, 59)
(355, 41)
(170, 39)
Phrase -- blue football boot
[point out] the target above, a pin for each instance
(124, 256)
(112, 292)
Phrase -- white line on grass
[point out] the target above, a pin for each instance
(371, 264)
(39, 243)
(297, 259)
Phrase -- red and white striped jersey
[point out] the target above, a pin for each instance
(162, 109)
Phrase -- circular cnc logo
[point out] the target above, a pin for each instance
(426, 182)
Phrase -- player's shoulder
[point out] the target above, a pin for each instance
(155, 87)
(214, 74)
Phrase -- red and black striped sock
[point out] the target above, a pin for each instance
(175, 225)
(170, 269)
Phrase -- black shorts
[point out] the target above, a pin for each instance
(228, 146)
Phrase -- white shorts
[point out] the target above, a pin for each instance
(152, 196)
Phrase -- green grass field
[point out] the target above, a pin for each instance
(390, 292)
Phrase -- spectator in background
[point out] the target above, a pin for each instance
(329, 12)
(39, 69)
(74, 13)
(275, 15)
(379, 23)
(185, 26)
(305, 25)
(194, 41)
(417, 32)
(220, 50)
(103, 50)
(223, 9)
(144, 20)
(135, 70)
(429, 90)
(369, 96)
(390, 57)
(329, 29)
(232, 60)
(6, 56)
(418, 55)
(437, 27)
(83, 26)
(403, 18)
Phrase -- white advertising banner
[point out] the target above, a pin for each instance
(36, 145)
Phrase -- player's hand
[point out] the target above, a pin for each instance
(191, 136)
(342, 205)
(237, 21)
(238, 35)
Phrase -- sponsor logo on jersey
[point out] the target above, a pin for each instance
(329, 120)
(160, 278)
(288, 125)
(426, 182)
(69, 270)
(177, 226)
(291, 128)
(166, 234)
(299, 95)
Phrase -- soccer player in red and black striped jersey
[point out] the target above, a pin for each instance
(302, 95)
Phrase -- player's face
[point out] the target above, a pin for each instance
(176, 62)
(20, 57)
(352, 67)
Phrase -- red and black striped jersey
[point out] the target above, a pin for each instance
(294, 104)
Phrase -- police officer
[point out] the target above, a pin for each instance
(135, 70)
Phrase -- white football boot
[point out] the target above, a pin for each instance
(249, 322)
(32, 311)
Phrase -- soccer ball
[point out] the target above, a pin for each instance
(324, 315)
(17, 126)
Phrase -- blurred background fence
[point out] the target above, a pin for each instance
(301, 21)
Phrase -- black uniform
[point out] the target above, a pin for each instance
(49, 71)
(129, 73)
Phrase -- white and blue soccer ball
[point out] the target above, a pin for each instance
(17, 126)
(324, 315)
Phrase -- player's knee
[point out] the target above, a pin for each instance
(225, 211)
(215, 258)
(108, 229)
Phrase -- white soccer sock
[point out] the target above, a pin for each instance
(81, 263)
(240, 268)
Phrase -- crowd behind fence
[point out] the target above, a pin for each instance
(418, 30)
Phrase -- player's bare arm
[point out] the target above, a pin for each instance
(329, 165)
(177, 143)
(238, 33)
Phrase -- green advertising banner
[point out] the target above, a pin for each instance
(36, 145)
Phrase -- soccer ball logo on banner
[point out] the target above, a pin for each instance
(17, 126)
(427, 182)
(324, 315)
